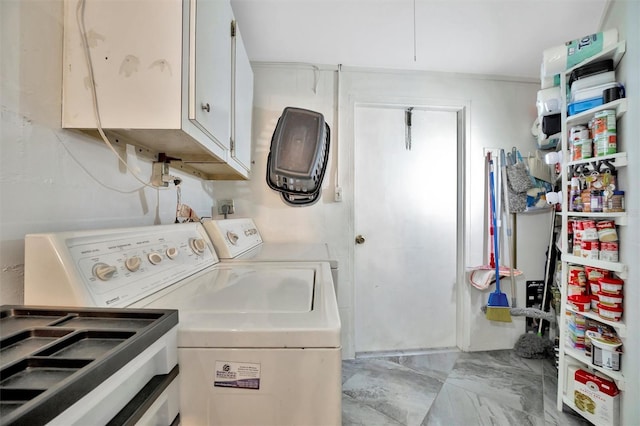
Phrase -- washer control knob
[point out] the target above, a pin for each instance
(232, 237)
(103, 271)
(197, 245)
(172, 253)
(155, 258)
(133, 263)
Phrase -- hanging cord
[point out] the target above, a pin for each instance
(178, 202)
(415, 55)
(80, 9)
(79, 163)
(183, 210)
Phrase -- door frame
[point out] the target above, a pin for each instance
(462, 109)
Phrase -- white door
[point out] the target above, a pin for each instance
(405, 210)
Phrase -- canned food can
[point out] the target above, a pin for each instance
(579, 132)
(586, 146)
(577, 276)
(605, 121)
(609, 251)
(605, 144)
(590, 249)
(604, 132)
(607, 231)
(615, 203)
(590, 232)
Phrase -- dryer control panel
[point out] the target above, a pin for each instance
(232, 237)
(112, 268)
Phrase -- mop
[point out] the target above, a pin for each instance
(481, 277)
(497, 305)
(513, 272)
(510, 228)
(534, 345)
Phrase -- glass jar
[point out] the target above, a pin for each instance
(616, 202)
(596, 201)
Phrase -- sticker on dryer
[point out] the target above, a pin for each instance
(237, 375)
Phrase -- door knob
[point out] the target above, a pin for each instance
(359, 239)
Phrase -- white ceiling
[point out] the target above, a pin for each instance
(494, 37)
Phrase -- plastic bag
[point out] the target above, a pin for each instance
(526, 193)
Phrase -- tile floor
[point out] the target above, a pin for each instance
(450, 389)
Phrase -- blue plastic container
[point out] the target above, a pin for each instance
(578, 107)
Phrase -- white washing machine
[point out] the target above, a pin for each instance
(240, 240)
(258, 342)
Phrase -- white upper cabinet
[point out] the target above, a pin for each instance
(166, 79)
(242, 102)
(210, 59)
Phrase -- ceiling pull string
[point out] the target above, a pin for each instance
(414, 31)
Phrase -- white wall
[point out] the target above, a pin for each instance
(44, 171)
(43, 188)
(499, 115)
(625, 15)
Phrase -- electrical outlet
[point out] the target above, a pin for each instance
(226, 207)
(338, 194)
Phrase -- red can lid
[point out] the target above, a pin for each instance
(578, 298)
(609, 280)
(609, 308)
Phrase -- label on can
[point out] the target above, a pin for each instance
(607, 231)
(587, 148)
(590, 249)
(605, 144)
(606, 120)
(609, 251)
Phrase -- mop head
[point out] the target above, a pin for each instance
(530, 345)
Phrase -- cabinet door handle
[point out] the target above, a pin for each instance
(206, 107)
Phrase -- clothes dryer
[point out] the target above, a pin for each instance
(240, 240)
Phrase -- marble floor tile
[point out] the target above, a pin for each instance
(458, 406)
(398, 392)
(519, 389)
(549, 368)
(356, 413)
(506, 359)
(551, 413)
(453, 388)
(436, 365)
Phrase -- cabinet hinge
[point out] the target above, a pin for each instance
(232, 145)
(233, 28)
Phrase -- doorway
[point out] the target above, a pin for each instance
(406, 215)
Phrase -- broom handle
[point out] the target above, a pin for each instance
(508, 218)
(495, 225)
(546, 272)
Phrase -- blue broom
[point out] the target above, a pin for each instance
(498, 304)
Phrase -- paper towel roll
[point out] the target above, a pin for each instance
(560, 58)
(547, 82)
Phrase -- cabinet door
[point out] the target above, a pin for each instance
(136, 63)
(242, 103)
(210, 73)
